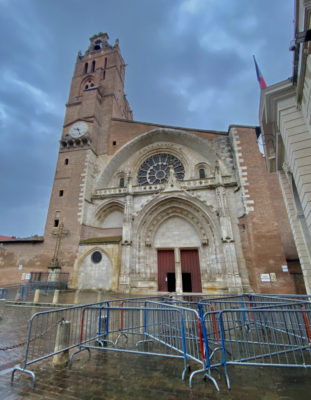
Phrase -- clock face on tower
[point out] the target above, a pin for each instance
(78, 129)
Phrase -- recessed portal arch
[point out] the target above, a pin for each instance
(197, 230)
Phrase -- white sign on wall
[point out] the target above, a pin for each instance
(20, 267)
(27, 276)
(284, 268)
(265, 277)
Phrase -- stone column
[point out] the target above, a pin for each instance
(76, 299)
(56, 296)
(178, 273)
(36, 296)
(124, 279)
(99, 296)
(62, 342)
(232, 270)
(18, 294)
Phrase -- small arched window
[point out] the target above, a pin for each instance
(121, 184)
(93, 65)
(86, 65)
(202, 173)
(98, 45)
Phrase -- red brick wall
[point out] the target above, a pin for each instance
(124, 131)
(260, 230)
(29, 255)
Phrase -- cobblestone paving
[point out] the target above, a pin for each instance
(116, 376)
(14, 322)
(13, 332)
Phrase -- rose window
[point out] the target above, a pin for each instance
(156, 169)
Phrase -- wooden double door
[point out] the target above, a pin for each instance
(190, 271)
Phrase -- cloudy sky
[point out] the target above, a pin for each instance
(189, 64)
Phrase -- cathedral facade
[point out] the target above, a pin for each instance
(144, 208)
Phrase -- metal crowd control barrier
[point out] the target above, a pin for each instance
(3, 293)
(217, 334)
(26, 290)
(42, 329)
(41, 338)
(279, 297)
(214, 332)
(270, 337)
(155, 328)
(196, 345)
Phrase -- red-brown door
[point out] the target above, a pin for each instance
(190, 265)
(166, 269)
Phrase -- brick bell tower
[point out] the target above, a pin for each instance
(96, 96)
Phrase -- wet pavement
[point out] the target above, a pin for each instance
(14, 321)
(117, 376)
(13, 333)
(114, 376)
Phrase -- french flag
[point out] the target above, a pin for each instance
(260, 79)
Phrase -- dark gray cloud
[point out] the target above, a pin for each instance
(189, 64)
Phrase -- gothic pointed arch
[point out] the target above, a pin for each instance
(94, 272)
(156, 136)
(110, 214)
(105, 207)
(166, 206)
(87, 83)
(184, 216)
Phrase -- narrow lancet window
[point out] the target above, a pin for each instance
(202, 173)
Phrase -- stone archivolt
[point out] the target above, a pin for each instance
(131, 155)
(163, 208)
(107, 207)
(166, 206)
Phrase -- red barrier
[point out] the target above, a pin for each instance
(82, 326)
(215, 323)
(305, 319)
(201, 340)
